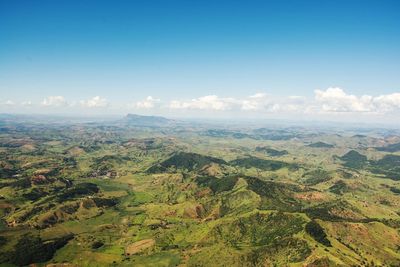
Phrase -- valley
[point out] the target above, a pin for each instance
(150, 191)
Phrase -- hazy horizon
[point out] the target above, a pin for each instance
(221, 122)
(297, 60)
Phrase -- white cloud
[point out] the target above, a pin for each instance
(54, 101)
(209, 102)
(336, 100)
(9, 103)
(147, 103)
(295, 104)
(259, 102)
(297, 98)
(387, 103)
(95, 102)
(331, 100)
(255, 102)
(328, 102)
(258, 96)
(26, 103)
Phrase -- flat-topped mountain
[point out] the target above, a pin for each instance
(142, 120)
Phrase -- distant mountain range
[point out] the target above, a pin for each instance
(141, 120)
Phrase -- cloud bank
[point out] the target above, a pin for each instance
(54, 101)
(331, 101)
(147, 103)
(95, 102)
(336, 100)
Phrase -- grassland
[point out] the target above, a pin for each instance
(139, 192)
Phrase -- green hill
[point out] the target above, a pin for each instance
(262, 164)
(184, 161)
(354, 160)
(320, 145)
(390, 148)
(121, 194)
(272, 152)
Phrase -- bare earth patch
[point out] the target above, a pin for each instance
(139, 246)
(311, 196)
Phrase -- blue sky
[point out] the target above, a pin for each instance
(182, 51)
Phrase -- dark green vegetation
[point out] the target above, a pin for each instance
(262, 164)
(33, 249)
(314, 177)
(389, 166)
(184, 161)
(390, 148)
(217, 185)
(271, 152)
(258, 229)
(320, 145)
(318, 233)
(340, 187)
(148, 191)
(275, 195)
(354, 159)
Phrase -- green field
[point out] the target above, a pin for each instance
(125, 194)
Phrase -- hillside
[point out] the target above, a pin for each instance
(128, 195)
(320, 145)
(354, 159)
(185, 161)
